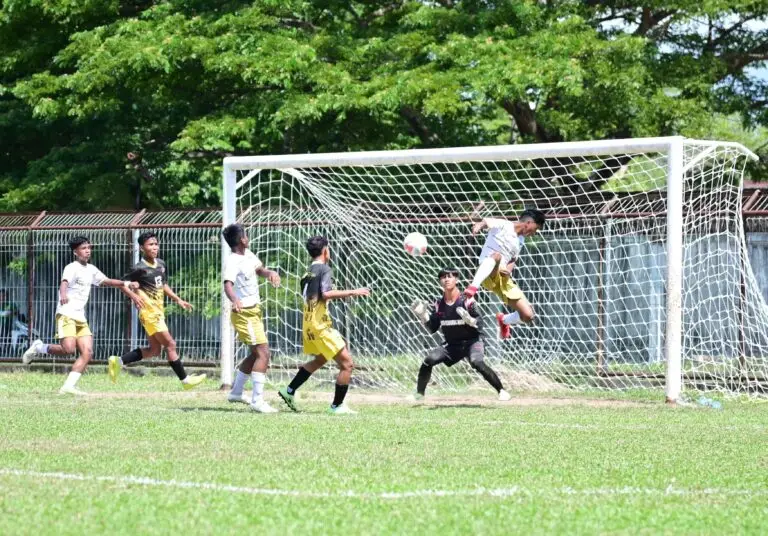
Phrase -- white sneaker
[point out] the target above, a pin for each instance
(341, 410)
(241, 399)
(263, 407)
(34, 349)
(416, 397)
(504, 396)
(66, 390)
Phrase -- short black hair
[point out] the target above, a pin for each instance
(448, 271)
(143, 237)
(534, 215)
(77, 241)
(232, 234)
(315, 245)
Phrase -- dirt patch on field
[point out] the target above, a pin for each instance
(387, 399)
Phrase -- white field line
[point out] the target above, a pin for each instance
(394, 495)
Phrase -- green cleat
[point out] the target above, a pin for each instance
(193, 381)
(288, 398)
(113, 368)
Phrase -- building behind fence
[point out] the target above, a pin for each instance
(34, 251)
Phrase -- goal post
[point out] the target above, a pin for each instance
(640, 279)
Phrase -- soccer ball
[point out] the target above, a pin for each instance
(415, 244)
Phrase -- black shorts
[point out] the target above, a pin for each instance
(450, 354)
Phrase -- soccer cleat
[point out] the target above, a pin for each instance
(193, 381)
(416, 397)
(34, 348)
(113, 367)
(262, 407)
(67, 390)
(341, 410)
(504, 396)
(504, 329)
(470, 291)
(288, 398)
(239, 399)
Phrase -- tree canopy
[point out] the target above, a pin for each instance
(182, 83)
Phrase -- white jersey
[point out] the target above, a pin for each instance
(502, 238)
(241, 270)
(80, 278)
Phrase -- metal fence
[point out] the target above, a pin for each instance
(34, 251)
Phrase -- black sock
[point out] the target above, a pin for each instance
(338, 398)
(301, 376)
(178, 368)
(489, 375)
(425, 373)
(132, 356)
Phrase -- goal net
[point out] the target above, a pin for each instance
(640, 278)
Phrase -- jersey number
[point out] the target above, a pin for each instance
(158, 281)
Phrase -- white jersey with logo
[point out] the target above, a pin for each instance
(241, 271)
(502, 238)
(80, 278)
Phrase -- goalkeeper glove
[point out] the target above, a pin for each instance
(420, 310)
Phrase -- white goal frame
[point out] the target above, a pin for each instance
(673, 147)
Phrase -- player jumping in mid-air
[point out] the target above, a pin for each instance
(320, 338)
(151, 275)
(459, 320)
(72, 328)
(497, 259)
(242, 288)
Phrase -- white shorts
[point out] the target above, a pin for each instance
(487, 252)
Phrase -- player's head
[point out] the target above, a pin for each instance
(533, 220)
(234, 235)
(81, 247)
(317, 247)
(149, 244)
(449, 278)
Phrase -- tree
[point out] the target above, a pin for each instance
(182, 83)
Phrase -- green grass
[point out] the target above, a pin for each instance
(629, 467)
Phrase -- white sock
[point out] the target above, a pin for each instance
(483, 271)
(237, 386)
(258, 379)
(512, 318)
(71, 380)
(42, 348)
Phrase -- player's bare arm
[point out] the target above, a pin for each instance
(172, 295)
(270, 275)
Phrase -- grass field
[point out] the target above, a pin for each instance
(144, 457)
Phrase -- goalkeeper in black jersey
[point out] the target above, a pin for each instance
(459, 320)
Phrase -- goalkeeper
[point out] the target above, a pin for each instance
(500, 251)
(458, 318)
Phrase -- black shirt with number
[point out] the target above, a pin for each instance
(151, 279)
(316, 281)
(455, 330)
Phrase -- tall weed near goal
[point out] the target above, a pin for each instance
(640, 279)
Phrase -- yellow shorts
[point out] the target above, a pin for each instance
(67, 327)
(249, 326)
(153, 322)
(504, 287)
(327, 343)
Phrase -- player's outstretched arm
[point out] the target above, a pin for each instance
(119, 283)
(271, 275)
(341, 294)
(172, 295)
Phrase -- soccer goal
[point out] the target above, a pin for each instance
(640, 278)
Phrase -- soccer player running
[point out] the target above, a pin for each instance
(152, 276)
(242, 288)
(72, 328)
(497, 259)
(459, 320)
(320, 338)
